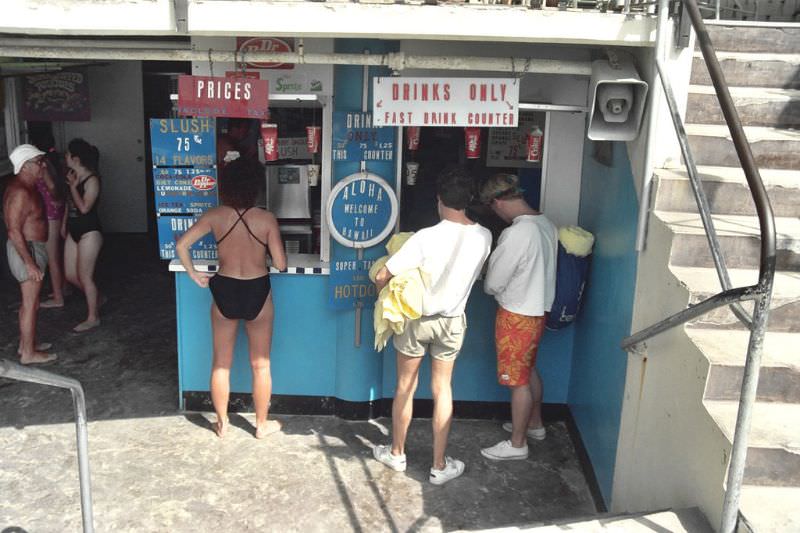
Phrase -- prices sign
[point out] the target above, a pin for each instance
(204, 96)
(182, 142)
(185, 190)
(477, 102)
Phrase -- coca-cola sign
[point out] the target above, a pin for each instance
(244, 45)
(203, 182)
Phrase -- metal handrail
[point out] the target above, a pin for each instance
(761, 293)
(9, 369)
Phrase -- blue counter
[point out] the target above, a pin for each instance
(313, 352)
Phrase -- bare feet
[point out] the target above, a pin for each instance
(268, 428)
(86, 325)
(220, 427)
(41, 347)
(51, 303)
(37, 358)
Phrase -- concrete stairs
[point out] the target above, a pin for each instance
(765, 87)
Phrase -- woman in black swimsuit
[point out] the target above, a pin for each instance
(241, 288)
(81, 226)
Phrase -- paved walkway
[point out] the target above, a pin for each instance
(157, 469)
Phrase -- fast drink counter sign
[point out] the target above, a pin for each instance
(185, 190)
(477, 102)
(183, 142)
(362, 210)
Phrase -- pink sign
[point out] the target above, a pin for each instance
(204, 96)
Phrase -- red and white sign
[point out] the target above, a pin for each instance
(472, 143)
(264, 44)
(203, 182)
(252, 74)
(464, 102)
(269, 136)
(204, 96)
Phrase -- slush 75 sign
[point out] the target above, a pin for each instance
(204, 96)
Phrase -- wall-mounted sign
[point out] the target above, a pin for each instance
(483, 102)
(362, 210)
(204, 96)
(264, 44)
(349, 284)
(293, 148)
(170, 229)
(56, 96)
(356, 138)
(508, 147)
(181, 142)
(185, 190)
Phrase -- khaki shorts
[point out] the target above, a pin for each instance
(38, 251)
(442, 336)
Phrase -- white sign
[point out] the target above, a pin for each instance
(481, 102)
(509, 147)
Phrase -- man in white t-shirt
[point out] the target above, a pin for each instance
(450, 256)
(522, 278)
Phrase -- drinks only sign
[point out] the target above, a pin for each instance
(477, 102)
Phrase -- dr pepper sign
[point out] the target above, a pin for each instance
(204, 96)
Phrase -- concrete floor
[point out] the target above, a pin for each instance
(157, 469)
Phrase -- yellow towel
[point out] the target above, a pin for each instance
(397, 241)
(576, 240)
(400, 300)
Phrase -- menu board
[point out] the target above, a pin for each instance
(508, 147)
(184, 180)
(185, 190)
(56, 96)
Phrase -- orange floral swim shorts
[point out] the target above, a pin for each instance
(517, 341)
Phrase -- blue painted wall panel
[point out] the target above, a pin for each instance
(609, 210)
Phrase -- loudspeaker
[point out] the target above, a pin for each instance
(617, 97)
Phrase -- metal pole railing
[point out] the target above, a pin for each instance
(9, 369)
(766, 275)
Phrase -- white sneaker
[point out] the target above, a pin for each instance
(505, 451)
(384, 455)
(452, 469)
(533, 433)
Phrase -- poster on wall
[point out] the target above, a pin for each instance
(56, 96)
(508, 147)
(480, 102)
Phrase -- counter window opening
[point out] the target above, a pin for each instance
(293, 188)
(502, 150)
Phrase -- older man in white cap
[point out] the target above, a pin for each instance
(27, 236)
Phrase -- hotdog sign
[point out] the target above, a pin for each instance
(460, 102)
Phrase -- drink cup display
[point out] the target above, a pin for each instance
(269, 136)
(313, 175)
(412, 137)
(472, 142)
(411, 172)
(313, 138)
(535, 137)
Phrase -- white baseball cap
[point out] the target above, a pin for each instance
(22, 154)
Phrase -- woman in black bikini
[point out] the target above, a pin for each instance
(81, 226)
(241, 288)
